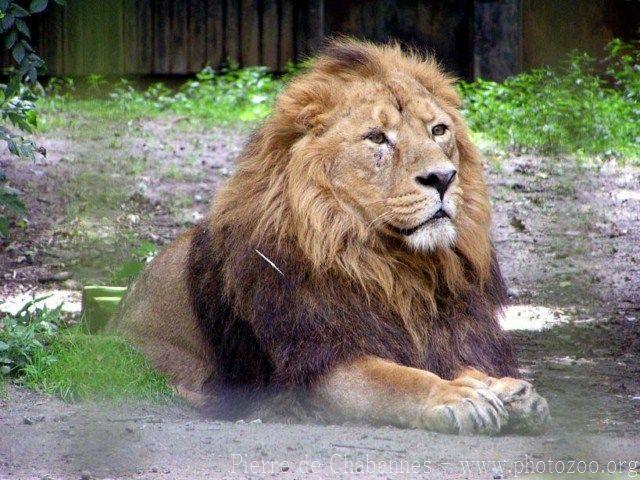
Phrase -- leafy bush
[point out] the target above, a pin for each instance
(16, 100)
(231, 95)
(25, 337)
(577, 108)
(16, 107)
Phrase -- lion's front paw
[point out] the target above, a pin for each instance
(528, 411)
(464, 406)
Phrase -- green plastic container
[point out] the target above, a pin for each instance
(99, 305)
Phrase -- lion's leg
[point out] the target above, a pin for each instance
(375, 390)
(528, 411)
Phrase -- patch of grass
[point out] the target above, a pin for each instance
(586, 107)
(229, 96)
(40, 351)
(95, 367)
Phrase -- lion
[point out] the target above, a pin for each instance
(348, 261)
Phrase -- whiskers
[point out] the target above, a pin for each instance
(379, 219)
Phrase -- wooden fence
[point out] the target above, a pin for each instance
(487, 38)
(174, 36)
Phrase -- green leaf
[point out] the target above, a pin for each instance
(22, 27)
(7, 22)
(61, 2)
(13, 87)
(4, 346)
(18, 11)
(4, 226)
(128, 270)
(18, 52)
(12, 202)
(10, 39)
(38, 6)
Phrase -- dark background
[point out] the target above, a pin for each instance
(492, 39)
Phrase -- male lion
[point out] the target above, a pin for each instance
(348, 259)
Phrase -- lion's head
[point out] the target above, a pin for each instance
(365, 162)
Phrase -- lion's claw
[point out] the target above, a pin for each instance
(466, 407)
(528, 411)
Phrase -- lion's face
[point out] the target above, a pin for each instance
(395, 162)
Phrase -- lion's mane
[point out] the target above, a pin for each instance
(286, 284)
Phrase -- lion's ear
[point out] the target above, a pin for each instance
(314, 118)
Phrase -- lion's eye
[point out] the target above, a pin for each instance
(377, 136)
(439, 129)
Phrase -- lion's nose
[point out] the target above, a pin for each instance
(438, 179)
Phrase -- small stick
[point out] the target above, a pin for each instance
(269, 261)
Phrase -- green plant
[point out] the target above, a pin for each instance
(25, 337)
(228, 96)
(131, 268)
(95, 367)
(573, 109)
(16, 100)
(39, 350)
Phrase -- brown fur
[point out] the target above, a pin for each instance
(293, 277)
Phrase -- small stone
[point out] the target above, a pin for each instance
(257, 421)
(513, 292)
(47, 477)
(28, 421)
(129, 429)
(86, 475)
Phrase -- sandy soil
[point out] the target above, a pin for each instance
(568, 239)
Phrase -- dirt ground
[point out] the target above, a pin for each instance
(568, 238)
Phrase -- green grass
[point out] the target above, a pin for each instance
(38, 350)
(231, 96)
(96, 367)
(580, 108)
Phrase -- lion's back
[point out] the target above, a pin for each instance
(157, 316)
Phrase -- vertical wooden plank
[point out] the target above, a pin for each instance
(497, 38)
(93, 39)
(315, 26)
(143, 62)
(309, 28)
(270, 41)
(250, 32)
(177, 42)
(115, 32)
(232, 37)
(59, 27)
(215, 32)
(161, 19)
(197, 36)
(287, 50)
(130, 48)
(73, 39)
